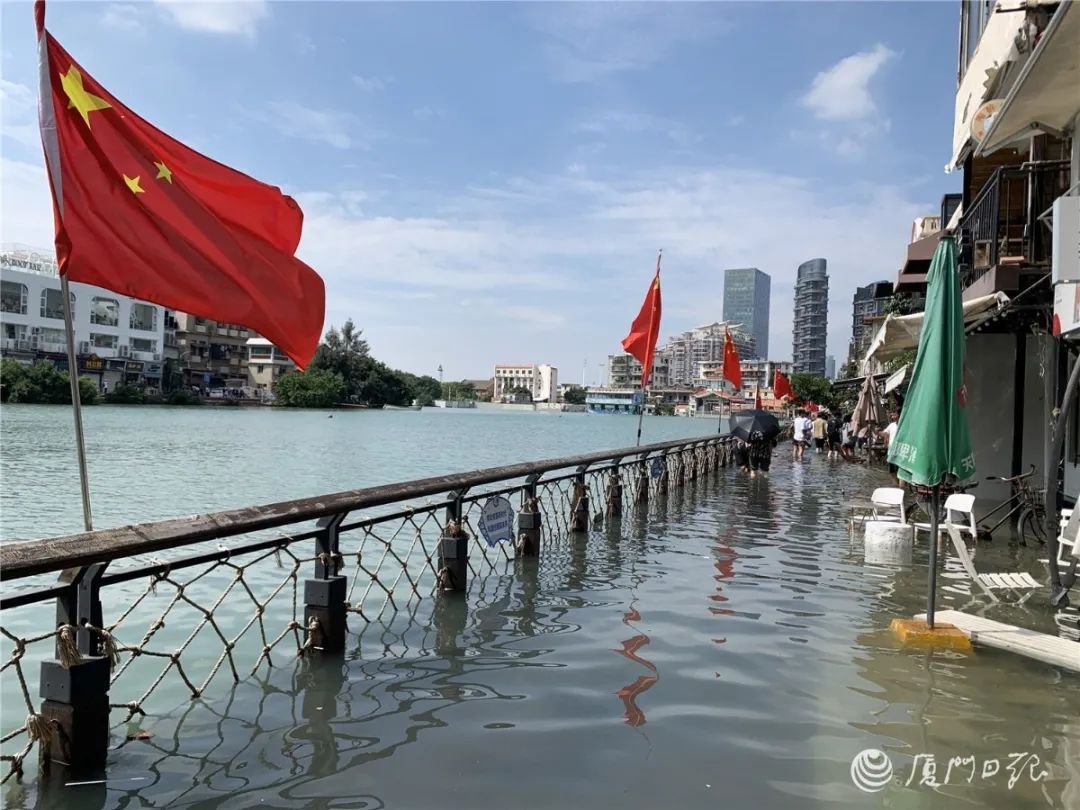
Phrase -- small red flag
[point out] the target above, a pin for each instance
(641, 342)
(781, 386)
(144, 215)
(732, 367)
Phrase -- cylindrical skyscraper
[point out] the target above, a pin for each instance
(811, 318)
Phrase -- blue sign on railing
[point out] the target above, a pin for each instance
(497, 520)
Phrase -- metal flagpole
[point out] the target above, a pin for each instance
(76, 402)
(640, 417)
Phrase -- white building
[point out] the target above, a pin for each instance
(683, 354)
(266, 363)
(756, 374)
(541, 381)
(624, 371)
(117, 338)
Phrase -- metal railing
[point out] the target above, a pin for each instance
(1002, 221)
(129, 621)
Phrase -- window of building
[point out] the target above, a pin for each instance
(144, 345)
(143, 317)
(14, 331)
(105, 311)
(13, 297)
(261, 352)
(52, 304)
(46, 335)
(100, 340)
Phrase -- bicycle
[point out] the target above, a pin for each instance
(1029, 508)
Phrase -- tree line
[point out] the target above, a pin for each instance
(343, 371)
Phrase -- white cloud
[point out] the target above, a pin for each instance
(123, 17)
(842, 93)
(369, 84)
(589, 41)
(426, 113)
(235, 17)
(537, 255)
(19, 105)
(615, 121)
(292, 119)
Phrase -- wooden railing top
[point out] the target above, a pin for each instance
(24, 559)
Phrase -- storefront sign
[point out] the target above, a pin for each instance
(133, 367)
(115, 364)
(92, 363)
(152, 370)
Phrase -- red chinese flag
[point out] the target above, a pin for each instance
(641, 342)
(781, 386)
(144, 215)
(732, 367)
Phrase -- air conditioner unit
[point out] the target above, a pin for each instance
(157, 357)
(35, 341)
(84, 347)
(125, 350)
(1065, 243)
(22, 345)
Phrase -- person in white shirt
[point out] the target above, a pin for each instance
(800, 434)
(890, 435)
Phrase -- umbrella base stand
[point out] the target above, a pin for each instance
(917, 633)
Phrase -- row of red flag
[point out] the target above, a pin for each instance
(644, 331)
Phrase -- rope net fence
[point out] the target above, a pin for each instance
(181, 629)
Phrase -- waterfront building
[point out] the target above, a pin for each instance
(811, 324)
(1016, 151)
(541, 381)
(212, 354)
(624, 371)
(867, 305)
(607, 400)
(265, 364)
(746, 301)
(485, 389)
(118, 339)
(685, 352)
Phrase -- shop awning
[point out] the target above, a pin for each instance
(1045, 96)
(900, 333)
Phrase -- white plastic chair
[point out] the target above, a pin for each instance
(959, 511)
(1012, 582)
(889, 500)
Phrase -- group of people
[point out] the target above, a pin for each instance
(827, 432)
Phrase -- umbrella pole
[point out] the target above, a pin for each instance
(934, 498)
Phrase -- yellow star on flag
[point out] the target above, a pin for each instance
(133, 184)
(163, 171)
(78, 98)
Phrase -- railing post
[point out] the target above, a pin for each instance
(641, 498)
(691, 467)
(453, 568)
(530, 520)
(662, 481)
(579, 502)
(324, 595)
(75, 687)
(614, 492)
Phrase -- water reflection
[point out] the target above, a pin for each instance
(632, 713)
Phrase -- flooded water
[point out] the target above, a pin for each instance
(730, 649)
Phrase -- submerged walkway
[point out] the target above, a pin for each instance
(1054, 650)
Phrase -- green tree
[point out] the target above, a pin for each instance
(345, 353)
(124, 394)
(313, 388)
(181, 396)
(812, 388)
(521, 391)
(425, 390)
(41, 383)
(574, 395)
(464, 390)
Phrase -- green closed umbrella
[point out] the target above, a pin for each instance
(932, 442)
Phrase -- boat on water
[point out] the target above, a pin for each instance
(413, 407)
(455, 403)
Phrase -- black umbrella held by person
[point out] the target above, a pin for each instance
(743, 423)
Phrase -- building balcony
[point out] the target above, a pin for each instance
(1003, 245)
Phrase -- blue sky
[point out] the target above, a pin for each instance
(490, 182)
